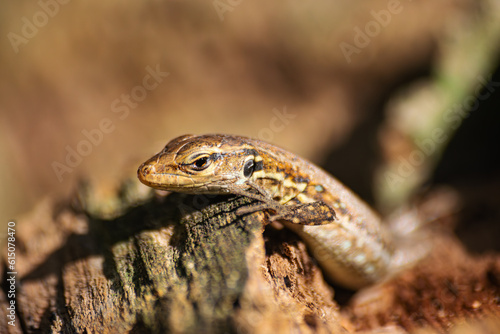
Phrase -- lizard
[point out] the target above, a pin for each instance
(348, 240)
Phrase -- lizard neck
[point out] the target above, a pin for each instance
(290, 179)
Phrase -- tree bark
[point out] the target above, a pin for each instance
(188, 264)
(180, 264)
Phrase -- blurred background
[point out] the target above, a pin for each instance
(374, 91)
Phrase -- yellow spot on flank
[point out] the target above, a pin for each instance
(346, 245)
(295, 220)
(288, 183)
(360, 259)
(304, 199)
(301, 186)
(261, 174)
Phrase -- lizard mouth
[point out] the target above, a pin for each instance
(150, 176)
(159, 177)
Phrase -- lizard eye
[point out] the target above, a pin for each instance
(248, 168)
(200, 163)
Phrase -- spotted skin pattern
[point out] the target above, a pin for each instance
(347, 239)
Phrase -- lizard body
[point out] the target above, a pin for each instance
(344, 235)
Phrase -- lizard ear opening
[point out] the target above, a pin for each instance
(248, 168)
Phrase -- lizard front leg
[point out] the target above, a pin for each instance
(315, 213)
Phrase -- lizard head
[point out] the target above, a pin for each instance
(211, 164)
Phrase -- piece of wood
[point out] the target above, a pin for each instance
(183, 264)
(188, 264)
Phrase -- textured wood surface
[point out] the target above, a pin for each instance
(188, 264)
(176, 265)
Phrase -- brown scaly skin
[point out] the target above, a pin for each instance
(342, 233)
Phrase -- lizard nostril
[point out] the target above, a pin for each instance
(145, 170)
